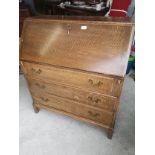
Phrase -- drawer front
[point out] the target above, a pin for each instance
(78, 79)
(86, 97)
(74, 108)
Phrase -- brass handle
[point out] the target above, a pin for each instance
(90, 81)
(33, 70)
(36, 71)
(97, 100)
(44, 99)
(93, 114)
(99, 83)
(90, 98)
(40, 86)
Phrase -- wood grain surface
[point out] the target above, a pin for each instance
(80, 95)
(75, 108)
(76, 66)
(74, 78)
(100, 47)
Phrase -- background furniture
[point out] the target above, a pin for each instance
(79, 12)
(119, 8)
(53, 7)
(50, 7)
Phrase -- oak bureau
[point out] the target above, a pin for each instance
(76, 65)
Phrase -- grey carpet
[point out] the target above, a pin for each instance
(48, 133)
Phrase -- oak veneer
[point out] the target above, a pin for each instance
(71, 77)
(75, 94)
(76, 66)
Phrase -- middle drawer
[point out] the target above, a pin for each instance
(76, 94)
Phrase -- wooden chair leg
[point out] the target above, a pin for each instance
(110, 133)
(36, 109)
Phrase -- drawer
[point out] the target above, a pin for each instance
(75, 108)
(86, 97)
(88, 81)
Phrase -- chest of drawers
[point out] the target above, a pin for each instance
(76, 65)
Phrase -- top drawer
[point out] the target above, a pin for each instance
(79, 79)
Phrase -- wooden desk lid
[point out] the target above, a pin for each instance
(99, 45)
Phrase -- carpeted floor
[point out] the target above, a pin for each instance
(48, 133)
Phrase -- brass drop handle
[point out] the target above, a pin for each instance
(93, 114)
(36, 71)
(97, 100)
(100, 83)
(44, 99)
(33, 70)
(90, 98)
(91, 82)
(40, 86)
(94, 101)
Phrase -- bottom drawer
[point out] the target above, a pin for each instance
(75, 108)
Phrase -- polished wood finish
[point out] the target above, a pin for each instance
(77, 67)
(75, 108)
(92, 82)
(108, 56)
(80, 95)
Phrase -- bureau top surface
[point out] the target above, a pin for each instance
(100, 45)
